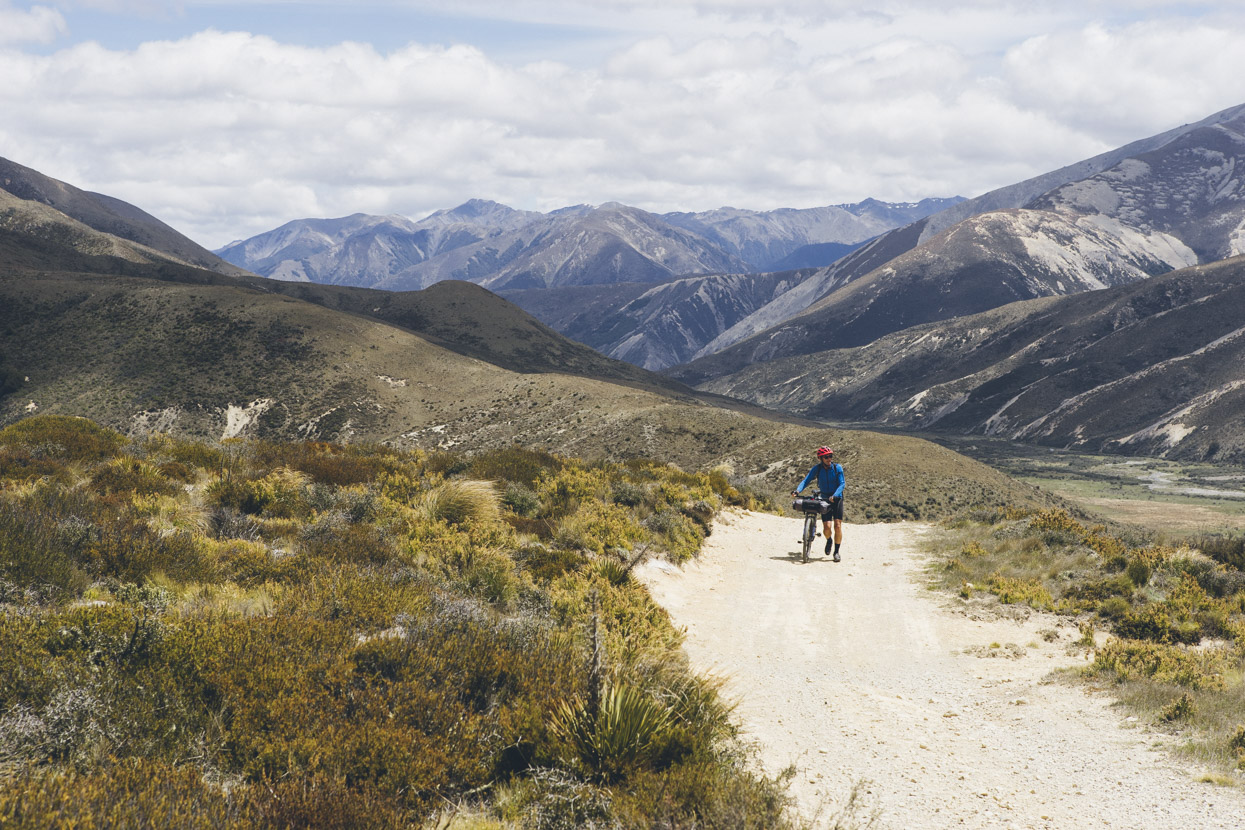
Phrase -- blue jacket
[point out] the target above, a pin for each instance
(829, 481)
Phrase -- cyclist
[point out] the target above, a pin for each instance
(830, 481)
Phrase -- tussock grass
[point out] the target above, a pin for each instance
(458, 502)
(1175, 616)
(254, 634)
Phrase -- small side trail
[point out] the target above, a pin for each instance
(856, 673)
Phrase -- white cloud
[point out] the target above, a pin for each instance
(1127, 82)
(38, 24)
(225, 134)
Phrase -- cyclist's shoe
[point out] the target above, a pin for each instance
(829, 545)
(836, 556)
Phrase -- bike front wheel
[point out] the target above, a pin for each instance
(810, 533)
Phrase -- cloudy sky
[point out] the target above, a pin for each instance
(227, 118)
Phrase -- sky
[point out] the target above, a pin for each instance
(228, 118)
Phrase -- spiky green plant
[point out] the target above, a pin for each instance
(627, 731)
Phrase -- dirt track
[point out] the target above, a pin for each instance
(855, 673)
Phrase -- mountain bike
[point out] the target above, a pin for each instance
(812, 508)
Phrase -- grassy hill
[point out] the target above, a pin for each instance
(103, 214)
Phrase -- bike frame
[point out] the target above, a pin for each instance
(810, 529)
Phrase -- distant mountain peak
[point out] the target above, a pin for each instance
(473, 210)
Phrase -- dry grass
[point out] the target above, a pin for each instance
(1176, 618)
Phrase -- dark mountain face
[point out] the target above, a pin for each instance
(1169, 207)
(107, 215)
(1155, 367)
(654, 326)
(820, 255)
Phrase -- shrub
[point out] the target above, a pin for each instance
(1227, 548)
(521, 500)
(333, 538)
(125, 474)
(599, 527)
(515, 465)
(972, 550)
(547, 564)
(64, 437)
(342, 466)
(130, 551)
(1026, 591)
(280, 494)
(1181, 708)
(1128, 660)
(553, 799)
(352, 669)
(1115, 608)
(1056, 521)
(133, 793)
(562, 491)
(230, 523)
(627, 494)
(678, 534)
(1138, 571)
(1236, 742)
(1152, 622)
(328, 803)
(34, 552)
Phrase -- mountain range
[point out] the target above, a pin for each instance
(505, 249)
(130, 335)
(1092, 306)
(1166, 202)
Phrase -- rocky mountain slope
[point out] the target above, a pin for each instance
(1159, 205)
(658, 326)
(764, 239)
(1154, 367)
(654, 325)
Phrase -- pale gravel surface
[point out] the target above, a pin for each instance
(855, 672)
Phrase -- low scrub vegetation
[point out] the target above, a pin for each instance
(258, 634)
(1174, 616)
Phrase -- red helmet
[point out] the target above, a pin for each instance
(823, 452)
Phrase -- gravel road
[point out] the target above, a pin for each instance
(857, 674)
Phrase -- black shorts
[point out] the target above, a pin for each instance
(835, 510)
